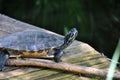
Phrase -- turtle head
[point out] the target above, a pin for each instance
(69, 38)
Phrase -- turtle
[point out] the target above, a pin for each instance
(33, 43)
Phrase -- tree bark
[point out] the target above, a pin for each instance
(60, 66)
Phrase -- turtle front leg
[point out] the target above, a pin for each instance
(4, 55)
(57, 56)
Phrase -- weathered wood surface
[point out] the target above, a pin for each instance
(78, 53)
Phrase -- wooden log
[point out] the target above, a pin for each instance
(78, 53)
(60, 66)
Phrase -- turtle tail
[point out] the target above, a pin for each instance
(4, 55)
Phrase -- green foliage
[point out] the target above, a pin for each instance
(96, 20)
(113, 64)
(65, 30)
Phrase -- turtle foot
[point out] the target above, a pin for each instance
(58, 56)
(57, 61)
(3, 58)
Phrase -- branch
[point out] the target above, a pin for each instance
(60, 66)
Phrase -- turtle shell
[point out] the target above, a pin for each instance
(32, 40)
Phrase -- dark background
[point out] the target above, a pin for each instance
(98, 21)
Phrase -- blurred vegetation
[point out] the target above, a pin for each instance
(113, 64)
(98, 21)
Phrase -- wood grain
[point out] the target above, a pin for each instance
(79, 53)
